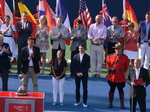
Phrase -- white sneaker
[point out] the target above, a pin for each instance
(85, 105)
(77, 104)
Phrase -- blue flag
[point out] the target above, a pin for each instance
(106, 16)
(61, 11)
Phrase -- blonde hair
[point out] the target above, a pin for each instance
(131, 24)
(43, 17)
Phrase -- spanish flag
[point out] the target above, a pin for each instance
(129, 13)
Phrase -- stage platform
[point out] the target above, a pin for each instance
(97, 95)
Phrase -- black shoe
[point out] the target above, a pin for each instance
(9, 71)
(71, 75)
(18, 72)
(50, 73)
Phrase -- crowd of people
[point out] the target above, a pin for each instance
(121, 42)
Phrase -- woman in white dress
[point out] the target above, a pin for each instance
(8, 30)
(42, 34)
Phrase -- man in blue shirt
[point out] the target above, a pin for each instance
(144, 41)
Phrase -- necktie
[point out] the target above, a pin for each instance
(137, 74)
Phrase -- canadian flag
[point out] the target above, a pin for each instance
(5, 10)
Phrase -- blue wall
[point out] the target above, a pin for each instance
(114, 6)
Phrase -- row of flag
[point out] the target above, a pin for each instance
(127, 11)
(61, 11)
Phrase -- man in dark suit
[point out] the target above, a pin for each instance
(5, 53)
(138, 90)
(144, 40)
(30, 59)
(78, 37)
(81, 65)
(24, 30)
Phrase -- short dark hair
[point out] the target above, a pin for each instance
(148, 13)
(31, 38)
(60, 18)
(83, 46)
(79, 21)
(6, 16)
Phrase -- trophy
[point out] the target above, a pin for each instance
(21, 91)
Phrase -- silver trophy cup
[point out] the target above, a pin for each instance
(21, 91)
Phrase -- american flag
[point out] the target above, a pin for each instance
(84, 14)
(106, 16)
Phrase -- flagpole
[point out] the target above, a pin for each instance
(102, 9)
(124, 12)
(124, 8)
(102, 3)
(149, 5)
(56, 8)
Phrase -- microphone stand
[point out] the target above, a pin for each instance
(132, 92)
(132, 100)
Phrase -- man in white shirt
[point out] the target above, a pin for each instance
(144, 41)
(81, 65)
(138, 79)
(24, 30)
(97, 34)
(30, 59)
(78, 37)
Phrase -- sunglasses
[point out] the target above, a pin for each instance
(130, 26)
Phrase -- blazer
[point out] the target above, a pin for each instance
(82, 67)
(4, 58)
(78, 41)
(138, 90)
(142, 30)
(35, 59)
(59, 40)
(23, 34)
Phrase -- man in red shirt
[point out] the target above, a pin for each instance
(124, 23)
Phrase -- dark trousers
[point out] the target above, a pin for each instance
(20, 46)
(72, 55)
(4, 73)
(141, 101)
(110, 49)
(85, 85)
(54, 52)
(113, 86)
